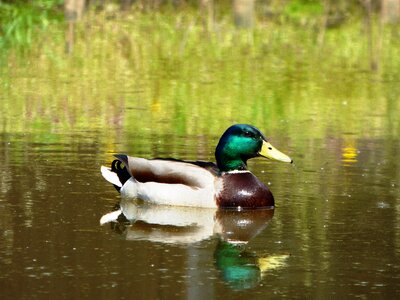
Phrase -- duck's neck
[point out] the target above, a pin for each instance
(231, 166)
(227, 162)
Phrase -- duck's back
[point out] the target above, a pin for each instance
(243, 189)
(195, 174)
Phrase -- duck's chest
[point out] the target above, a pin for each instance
(243, 190)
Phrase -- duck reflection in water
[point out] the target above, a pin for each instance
(187, 225)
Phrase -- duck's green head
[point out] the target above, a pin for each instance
(241, 142)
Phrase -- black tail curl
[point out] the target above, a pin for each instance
(119, 168)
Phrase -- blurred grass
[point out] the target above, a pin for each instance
(162, 71)
(20, 21)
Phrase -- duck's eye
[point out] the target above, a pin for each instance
(248, 134)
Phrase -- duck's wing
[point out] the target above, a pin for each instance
(195, 174)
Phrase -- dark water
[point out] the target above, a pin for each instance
(334, 232)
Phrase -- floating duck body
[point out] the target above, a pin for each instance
(226, 184)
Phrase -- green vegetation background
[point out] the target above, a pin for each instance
(163, 70)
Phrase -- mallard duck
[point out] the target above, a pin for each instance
(226, 184)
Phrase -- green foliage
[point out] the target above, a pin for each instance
(163, 71)
(303, 11)
(21, 20)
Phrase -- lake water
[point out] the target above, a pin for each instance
(335, 231)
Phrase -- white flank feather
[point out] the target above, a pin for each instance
(110, 176)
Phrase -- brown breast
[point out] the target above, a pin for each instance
(244, 190)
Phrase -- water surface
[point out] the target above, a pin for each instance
(334, 231)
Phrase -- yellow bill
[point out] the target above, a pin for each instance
(268, 151)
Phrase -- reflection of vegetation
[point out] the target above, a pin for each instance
(161, 70)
